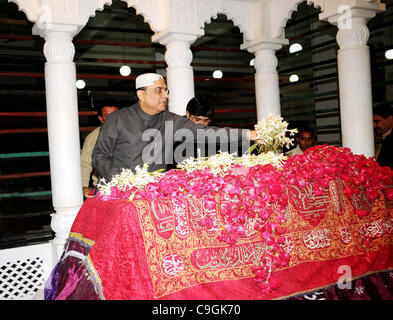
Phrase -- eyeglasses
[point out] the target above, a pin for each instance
(158, 90)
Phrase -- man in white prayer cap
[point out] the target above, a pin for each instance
(145, 132)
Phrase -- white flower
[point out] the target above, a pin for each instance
(270, 157)
(218, 164)
(128, 180)
(222, 163)
(271, 133)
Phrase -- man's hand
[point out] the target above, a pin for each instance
(252, 135)
(86, 191)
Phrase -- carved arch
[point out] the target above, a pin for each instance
(287, 7)
(89, 8)
(240, 13)
(152, 12)
(34, 9)
(281, 12)
(29, 8)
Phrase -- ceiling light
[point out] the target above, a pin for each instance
(252, 62)
(294, 78)
(125, 71)
(217, 74)
(296, 47)
(389, 54)
(80, 84)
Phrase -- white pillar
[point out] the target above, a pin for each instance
(267, 86)
(180, 75)
(267, 90)
(354, 74)
(63, 131)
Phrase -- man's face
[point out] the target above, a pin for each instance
(382, 125)
(198, 119)
(154, 99)
(305, 140)
(106, 111)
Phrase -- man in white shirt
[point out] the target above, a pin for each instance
(105, 108)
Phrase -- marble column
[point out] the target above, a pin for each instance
(180, 75)
(267, 89)
(63, 130)
(354, 74)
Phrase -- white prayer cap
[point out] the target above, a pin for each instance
(147, 80)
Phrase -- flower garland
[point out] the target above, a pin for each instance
(223, 163)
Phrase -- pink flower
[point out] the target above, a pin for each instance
(274, 283)
(103, 197)
(389, 193)
(362, 213)
(266, 236)
(207, 222)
